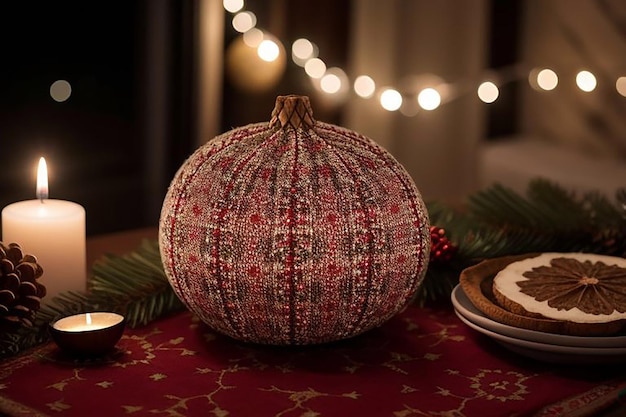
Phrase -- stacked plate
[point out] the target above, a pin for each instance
(539, 345)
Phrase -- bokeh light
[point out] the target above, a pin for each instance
(429, 99)
(330, 83)
(364, 86)
(246, 70)
(488, 92)
(268, 50)
(620, 86)
(390, 99)
(253, 37)
(315, 68)
(60, 91)
(334, 81)
(244, 21)
(547, 79)
(233, 6)
(302, 50)
(586, 81)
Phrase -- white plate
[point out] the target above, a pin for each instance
(464, 306)
(552, 353)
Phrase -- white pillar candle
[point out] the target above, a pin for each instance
(54, 232)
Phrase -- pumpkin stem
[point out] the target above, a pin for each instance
(292, 111)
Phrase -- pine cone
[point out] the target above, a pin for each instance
(20, 293)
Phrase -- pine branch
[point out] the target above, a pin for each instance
(499, 222)
(549, 218)
(133, 285)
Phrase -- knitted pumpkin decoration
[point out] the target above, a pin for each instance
(294, 231)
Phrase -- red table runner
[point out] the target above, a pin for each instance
(423, 362)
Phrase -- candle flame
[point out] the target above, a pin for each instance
(42, 179)
(88, 318)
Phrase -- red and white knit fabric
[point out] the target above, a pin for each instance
(293, 231)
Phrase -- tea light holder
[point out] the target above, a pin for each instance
(88, 334)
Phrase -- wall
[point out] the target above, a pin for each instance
(568, 37)
(574, 138)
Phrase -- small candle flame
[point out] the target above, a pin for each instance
(88, 318)
(42, 180)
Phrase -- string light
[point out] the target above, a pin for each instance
(488, 92)
(60, 91)
(586, 81)
(547, 79)
(330, 83)
(390, 99)
(429, 99)
(334, 81)
(315, 68)
(268, 50)
(620, 86)
(364, 86)
(253, 37)
(233, 6)
(302, 50)
(244, 21)
(305, 53)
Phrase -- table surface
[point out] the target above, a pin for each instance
(117, 243)
(422, 362)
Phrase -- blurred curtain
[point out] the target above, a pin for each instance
(181, 75)
(406, 43)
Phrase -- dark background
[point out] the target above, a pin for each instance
(96, 143)
(89, 141)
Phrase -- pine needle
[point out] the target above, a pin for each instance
(499, 222)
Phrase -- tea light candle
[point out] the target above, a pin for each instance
(89, 333)
(54, 232)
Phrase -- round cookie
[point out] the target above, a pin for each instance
(574, 287)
